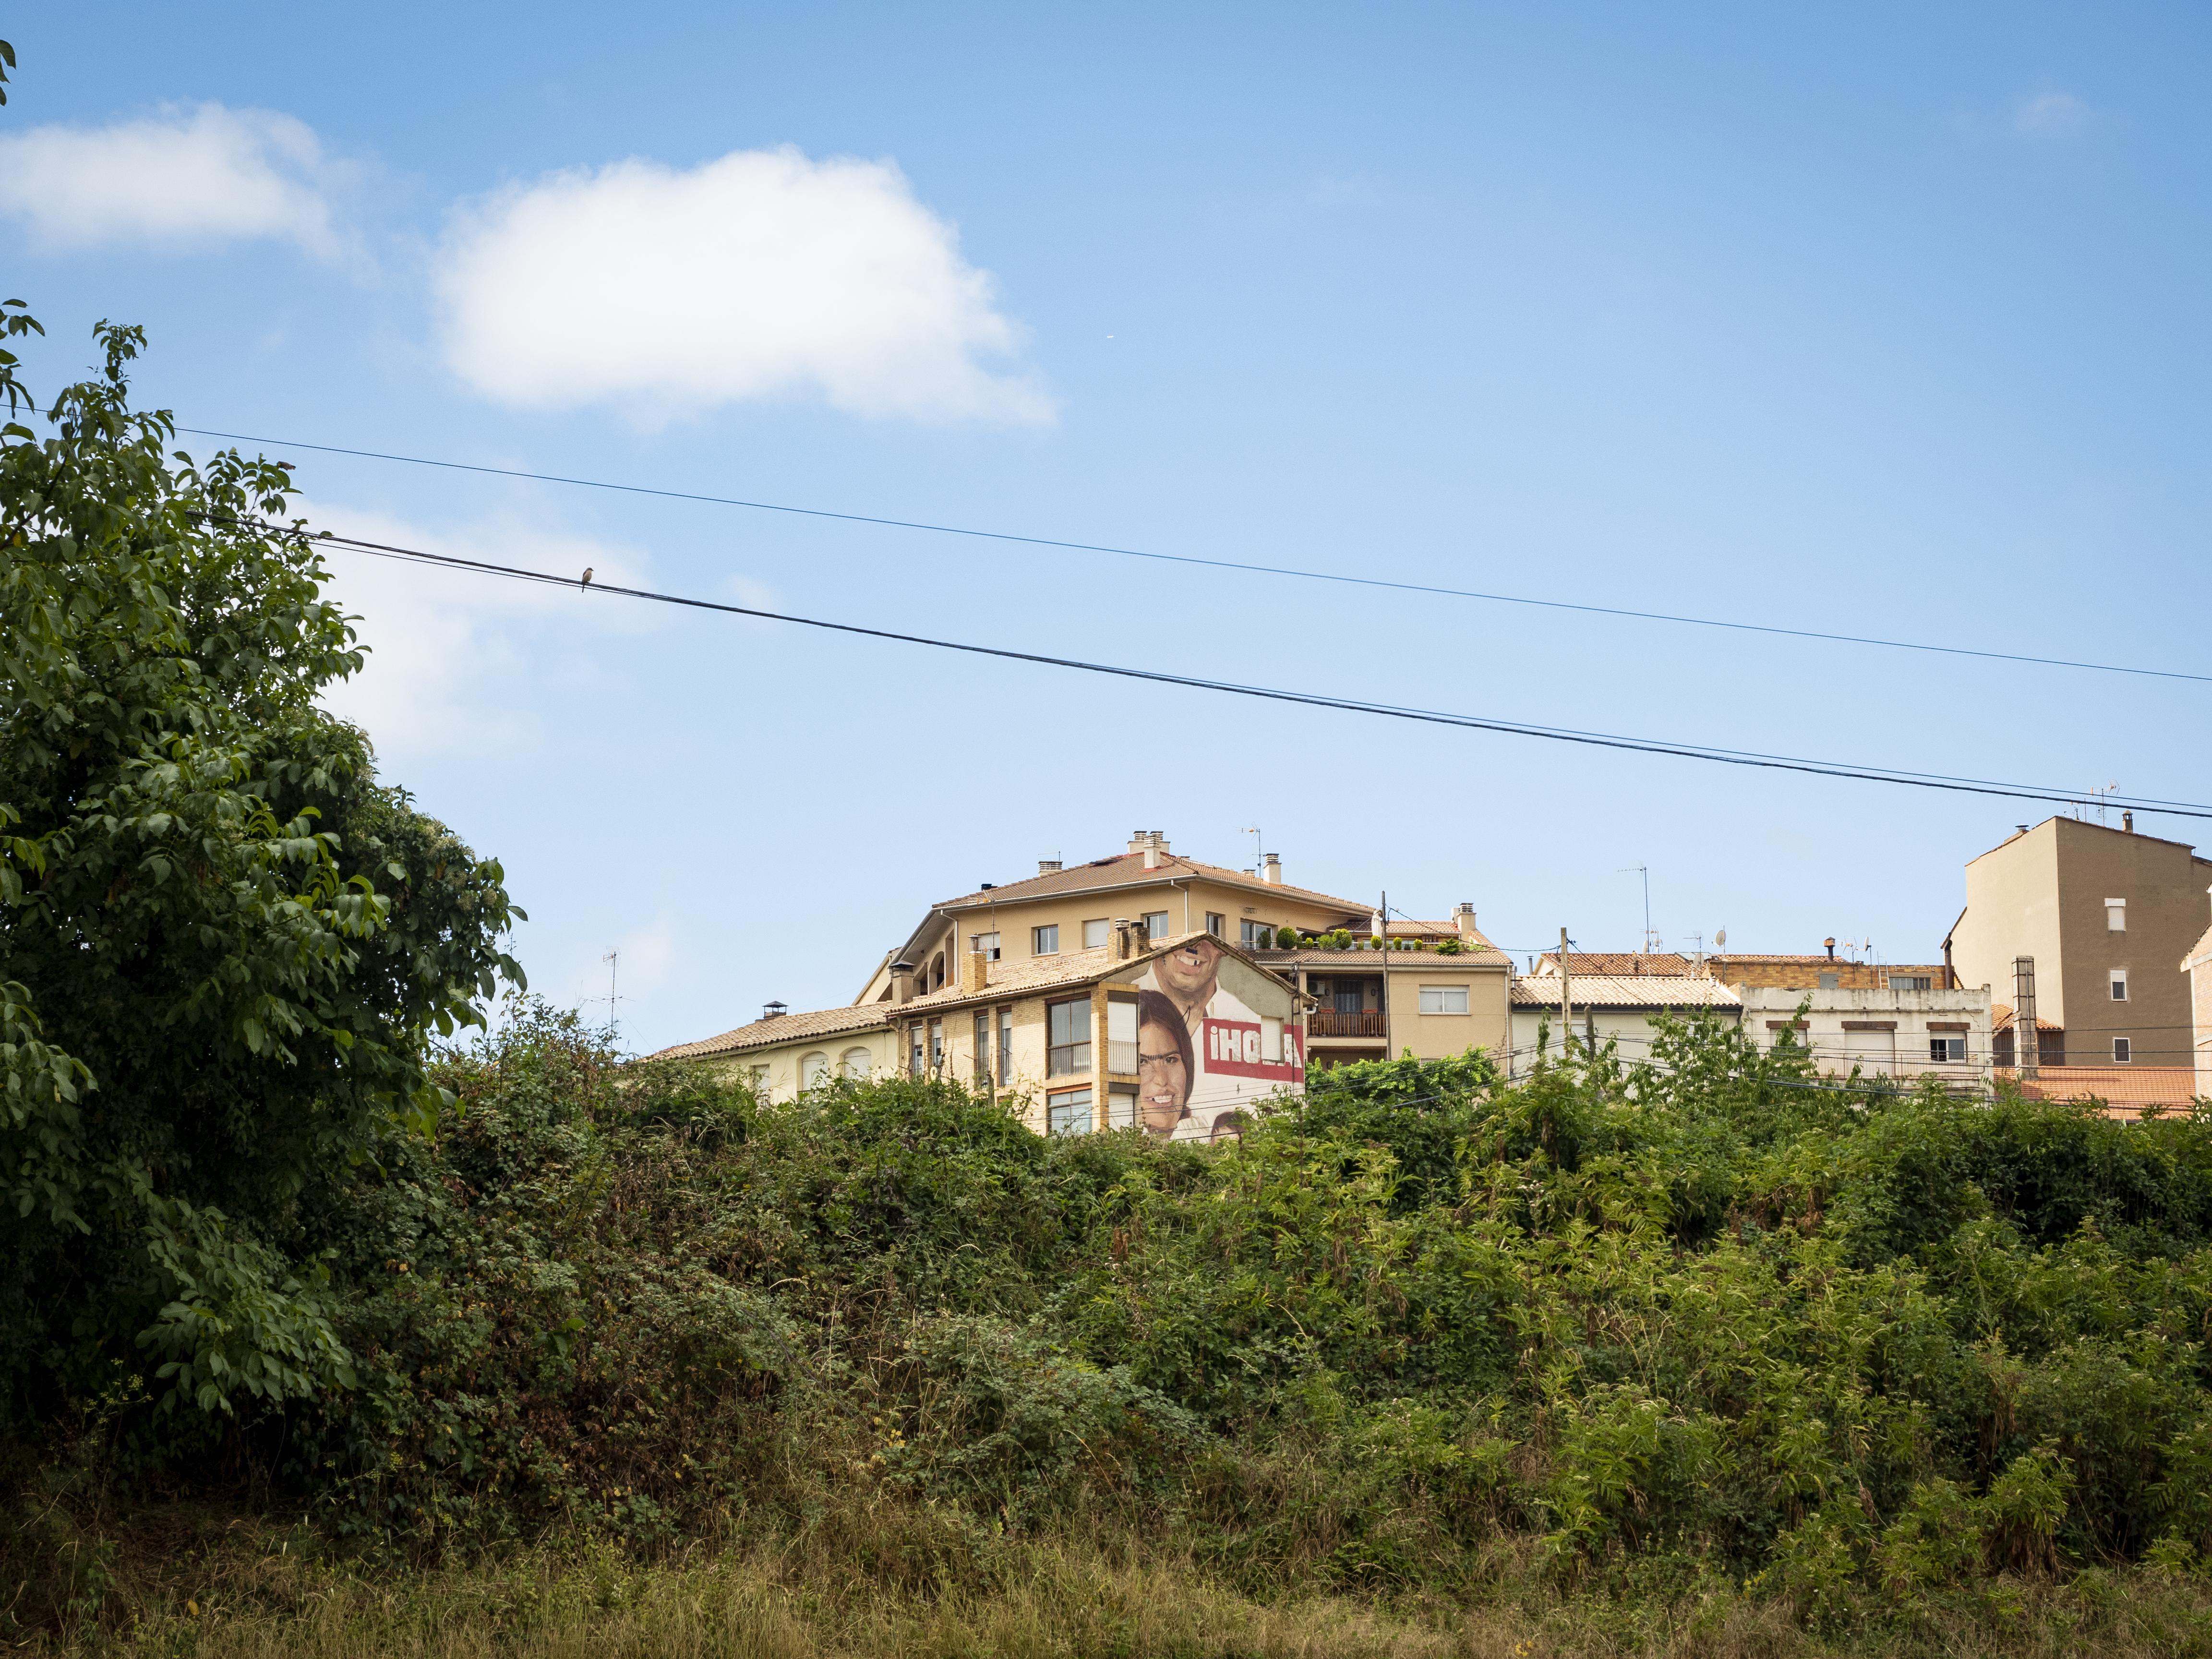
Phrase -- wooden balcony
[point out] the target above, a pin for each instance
(1329, 1023)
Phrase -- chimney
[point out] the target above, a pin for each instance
(1048, 866)
(2027, 1040)
(902, 982)
(2128, 822)
(1271, 869)
(974, 972)
(1831, 943)
(1125, 938)
(776, 1010)
(1463, 918)
(1152, 855)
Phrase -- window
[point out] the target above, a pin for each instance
(2124, 1051)
(1006, 1045)
(2116, 915)
(1259, 935)
(1348, 998)
(1944, 1049)
(1094, 933)
(1045, 941)
(1443, 999)
(1216, 923)
(814, 1071)
(758, 1076)
(1067, 1038)
(937, 1048)
(1121, 1107)
(913, 1057)
(983, 1067)
(1830, 982)
(1121, 1036)
(2119, 985)
(1156, 924)
(856, 1063)
(986, 943)
(1068, 1112)
(1911, 983)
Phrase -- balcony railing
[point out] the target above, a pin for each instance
(1329, 1023)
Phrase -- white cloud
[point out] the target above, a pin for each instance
(2051, 115)
(183, 178)
(453, 659)
(760, 275)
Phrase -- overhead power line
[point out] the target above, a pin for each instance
(1291, 571)
(1310, 699)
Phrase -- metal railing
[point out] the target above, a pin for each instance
(1329, 1023)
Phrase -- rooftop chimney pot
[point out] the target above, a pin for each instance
(902, 983)
(1271, 869)
(1831, 943)
(1048, 866)
(776, 1010)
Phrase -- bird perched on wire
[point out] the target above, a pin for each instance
(586, 582)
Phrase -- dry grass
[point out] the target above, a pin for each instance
(196, 1584)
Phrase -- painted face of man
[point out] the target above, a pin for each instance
(1187, 972)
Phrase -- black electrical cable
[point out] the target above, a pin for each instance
(1316, 700)
(1216, 564)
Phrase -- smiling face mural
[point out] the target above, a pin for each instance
(1213, 1038)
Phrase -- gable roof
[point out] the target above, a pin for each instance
(1626, 991)
(1630, 962)
(1007, 980)
(1128, 870)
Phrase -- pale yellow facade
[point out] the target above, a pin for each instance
(2107, 915)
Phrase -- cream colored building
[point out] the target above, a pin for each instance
(1438, 991)
(1880, 1029)
(2198, 965)
(1065, 909)
(2106, 915)
(1616, 1008)
(1057, 1035)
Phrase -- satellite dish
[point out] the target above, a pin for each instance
(1720, 939)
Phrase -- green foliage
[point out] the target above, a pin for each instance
(223, 944)
(1286, 939)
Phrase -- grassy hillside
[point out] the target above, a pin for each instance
(1700, 1355)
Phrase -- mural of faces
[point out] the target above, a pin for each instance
(1165, 1065)
(1188, 975)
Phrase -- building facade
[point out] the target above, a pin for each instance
(1184, 1037)
(1596, 1009)
(2107, 915)
(1887, 1030)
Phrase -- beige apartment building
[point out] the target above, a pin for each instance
(1185, 1037)
(1065, 909)
(1438, 990)
(2108, 917)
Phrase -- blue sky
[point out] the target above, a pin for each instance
(1887, 322)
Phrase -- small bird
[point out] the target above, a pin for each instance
(586, 582)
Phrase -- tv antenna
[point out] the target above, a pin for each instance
(613, 959)
(1650, 938)
(1259, 847)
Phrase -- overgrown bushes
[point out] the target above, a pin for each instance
(1705, 1325)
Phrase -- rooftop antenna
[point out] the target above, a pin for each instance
(1650, 938)
(613, 959)
(1259, 847)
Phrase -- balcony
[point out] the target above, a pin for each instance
(1329, 1023)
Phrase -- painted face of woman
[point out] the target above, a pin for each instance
(1163, 1079)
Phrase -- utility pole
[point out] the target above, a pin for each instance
(1383, 916)
(1566, 1001)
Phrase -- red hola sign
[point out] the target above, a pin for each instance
(1233, 1049)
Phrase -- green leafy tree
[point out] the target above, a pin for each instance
(223, 944)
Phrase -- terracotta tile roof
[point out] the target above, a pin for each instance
(1626, 991)
(2125, 1089)
(1128, 869)
(1826, 961)
(1364, 961)
(1616, 962)
(1007, 980)
(2001, 1019)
